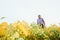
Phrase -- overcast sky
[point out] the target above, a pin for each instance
(28, 10)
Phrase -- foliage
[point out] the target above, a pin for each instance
(23, 31)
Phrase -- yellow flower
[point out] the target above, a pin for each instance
(2, 31)
(3, 28)
(4, 24)
(21, 28)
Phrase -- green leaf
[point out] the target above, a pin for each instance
(2, 18)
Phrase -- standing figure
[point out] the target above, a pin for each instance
(40, 21)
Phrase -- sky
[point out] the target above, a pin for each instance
(28, 10)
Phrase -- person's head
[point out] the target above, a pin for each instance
(39, 16)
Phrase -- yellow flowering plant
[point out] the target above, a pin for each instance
(23, 31)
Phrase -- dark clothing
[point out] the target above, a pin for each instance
(42, 25)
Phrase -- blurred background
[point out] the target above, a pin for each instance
(28, 10)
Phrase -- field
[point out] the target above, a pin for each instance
(21, 30)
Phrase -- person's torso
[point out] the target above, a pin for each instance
(40, 21)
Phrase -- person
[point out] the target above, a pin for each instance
(40, 21)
